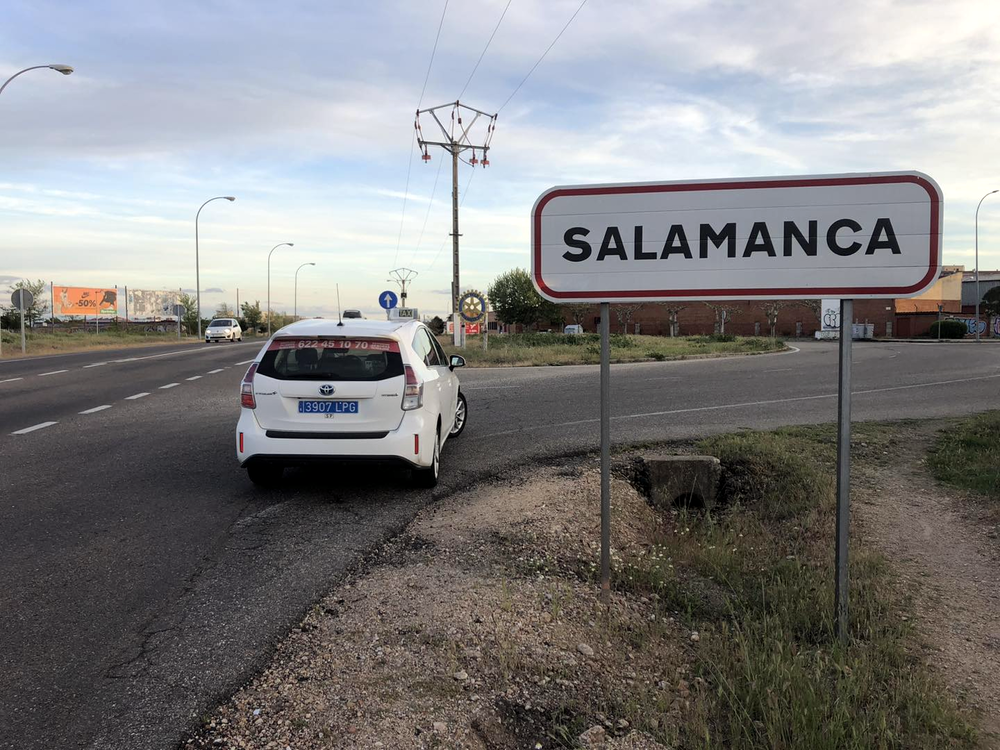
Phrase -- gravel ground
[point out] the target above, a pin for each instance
(480, 627)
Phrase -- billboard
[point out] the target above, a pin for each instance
(821, 236)
(78, 300)
(150, 304)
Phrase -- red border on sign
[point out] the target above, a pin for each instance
(808, 293)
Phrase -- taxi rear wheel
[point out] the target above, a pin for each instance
(428, 477)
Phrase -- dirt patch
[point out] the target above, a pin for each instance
(944, 544)
(481, 627)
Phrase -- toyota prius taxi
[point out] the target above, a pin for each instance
(356, 390)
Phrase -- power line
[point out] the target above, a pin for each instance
(433, 52)
(542, 57)
(483, 53)
(430, 205)
(409, 162)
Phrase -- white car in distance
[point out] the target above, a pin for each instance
(356, 390)
(223, 329)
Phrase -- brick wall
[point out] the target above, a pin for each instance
(748, 320)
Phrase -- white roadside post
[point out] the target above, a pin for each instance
(846, 236)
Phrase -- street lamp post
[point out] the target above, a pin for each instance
(197, 264)
(978, 297)
(295, 312)
(280, 244)
(64, 69)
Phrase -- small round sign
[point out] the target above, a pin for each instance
(387, 300)
(472, 307)
(22, 299)
(179, 311)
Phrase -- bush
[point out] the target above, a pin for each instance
(950, 329)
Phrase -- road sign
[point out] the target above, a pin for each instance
(387, 300)
(472, 329)
(179, 311)
(843, 236)
(22, 299)
(472, 306)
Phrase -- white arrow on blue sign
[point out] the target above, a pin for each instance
(387, 300)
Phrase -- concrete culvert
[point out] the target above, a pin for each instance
(683, 481)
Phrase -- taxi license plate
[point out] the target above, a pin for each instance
(328, 407)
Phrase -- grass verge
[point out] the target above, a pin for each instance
(756, 583)
(967, 455)
(64, 342)
(526, 349)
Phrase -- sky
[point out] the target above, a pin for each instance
(304, 112)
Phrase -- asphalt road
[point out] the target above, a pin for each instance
(145, 578)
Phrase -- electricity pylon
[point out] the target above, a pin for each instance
(402, 277)
(455, 144)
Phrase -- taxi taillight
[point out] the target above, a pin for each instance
(246, 388)
(413, 391)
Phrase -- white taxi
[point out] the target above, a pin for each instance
(223, 329)
(356, 390)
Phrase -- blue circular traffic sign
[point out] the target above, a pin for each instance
(387, 300)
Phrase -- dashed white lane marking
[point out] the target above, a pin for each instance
(96, 364)
(193, 377)
(138, 395)
(781, 369)
(96, 409)
(54, 372)
(40, 426)
(10, 380)
(212, 372)
(168, 385)
(247, 362)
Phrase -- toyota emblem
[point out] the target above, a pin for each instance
(326, 390)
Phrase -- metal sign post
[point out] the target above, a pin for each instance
(844, 237)
(22, 299)
(179, 311)
(605, 452)
(843, 467)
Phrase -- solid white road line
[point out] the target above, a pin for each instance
(212, 372)
(10, 380)
(168, 385)
(40, 426)
(138, 395)
(96, 364)
(96, 409)
(54, 372)
(193, 377)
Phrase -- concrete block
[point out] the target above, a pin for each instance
(683, 480)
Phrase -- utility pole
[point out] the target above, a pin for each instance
(456, 140)
(402, 277)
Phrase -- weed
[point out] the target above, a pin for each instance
(967, 455)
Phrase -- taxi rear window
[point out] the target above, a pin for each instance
(332, 360)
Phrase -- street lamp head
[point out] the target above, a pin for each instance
(64, 69)
(290, 244)
(310, 264)
(229, 198)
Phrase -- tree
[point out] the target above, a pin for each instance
(578, 313)
(39, 304)
(252, 315)
(991, 302)
(515, 300)
(673, 309)
(624, 314)
(436, 325)
(771, 310)
(225, 311)
(815, 305)
(723, 314)
(190, 318)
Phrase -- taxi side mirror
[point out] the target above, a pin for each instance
(456, 361)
